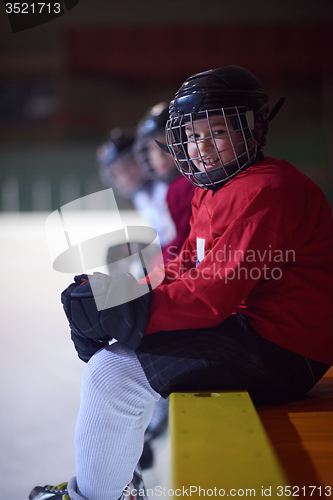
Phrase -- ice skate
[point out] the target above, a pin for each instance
(58, 492)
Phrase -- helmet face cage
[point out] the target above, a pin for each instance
(185, 144)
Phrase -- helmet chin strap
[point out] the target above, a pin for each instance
(215, 179)
(276, 109)
(164, 147)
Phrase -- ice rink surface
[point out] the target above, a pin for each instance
(40, 371)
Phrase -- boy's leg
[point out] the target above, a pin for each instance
(230, 356)
(117, 399)
(116, 406)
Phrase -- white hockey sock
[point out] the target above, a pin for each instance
(117, 402)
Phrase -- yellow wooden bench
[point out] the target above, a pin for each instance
(219, 448)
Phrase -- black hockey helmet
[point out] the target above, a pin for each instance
(232, 93)
(117, 166)
(153, 122)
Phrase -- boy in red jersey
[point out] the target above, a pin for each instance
(245, 305)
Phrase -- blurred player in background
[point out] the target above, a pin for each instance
(159, 166)
(117, 166)
(119, 170)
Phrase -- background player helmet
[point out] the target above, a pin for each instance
(236, 96)
(117, 165)
(149, 128)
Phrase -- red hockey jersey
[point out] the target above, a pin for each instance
(262, 245)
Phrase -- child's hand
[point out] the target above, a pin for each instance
(125, 322)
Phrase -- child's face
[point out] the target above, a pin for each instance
(210, 147)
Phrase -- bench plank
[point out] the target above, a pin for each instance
(218, 440)
(302, 435)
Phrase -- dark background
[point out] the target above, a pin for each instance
(66, 83)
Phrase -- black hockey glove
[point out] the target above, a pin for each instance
(85, 347)
(126, 322)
